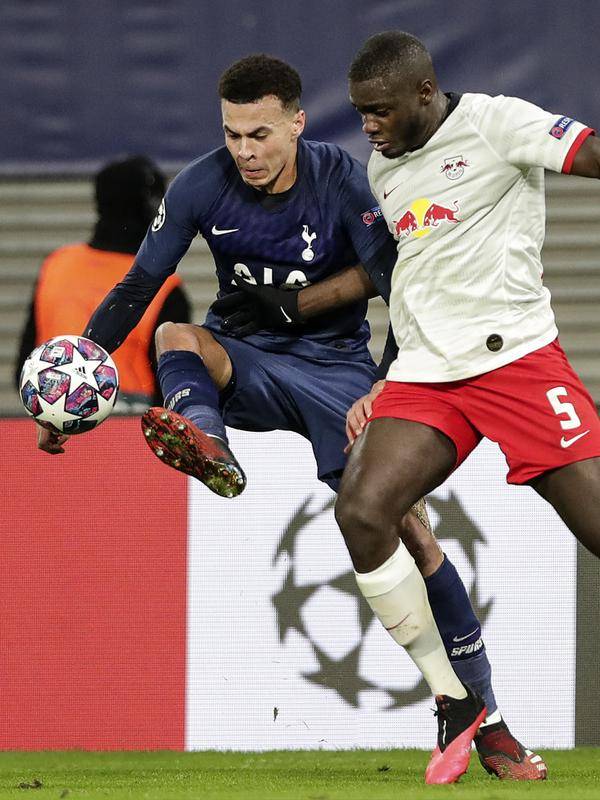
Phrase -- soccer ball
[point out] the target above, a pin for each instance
(69, 384)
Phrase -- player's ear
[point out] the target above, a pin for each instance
(427, 92)
(298, 123)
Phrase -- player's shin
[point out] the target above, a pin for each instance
(397, 595)
(461, 632)
(189, 390)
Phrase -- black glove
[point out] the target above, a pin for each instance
(256, 307)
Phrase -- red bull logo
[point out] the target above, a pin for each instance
(422, 216)
(454, 167)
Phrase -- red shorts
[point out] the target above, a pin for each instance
(536, 409)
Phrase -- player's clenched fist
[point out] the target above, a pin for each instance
(359, 412)
(50, 441)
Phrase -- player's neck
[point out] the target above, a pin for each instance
(285, 179)
(439, 112)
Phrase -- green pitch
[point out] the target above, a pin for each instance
(347, 775)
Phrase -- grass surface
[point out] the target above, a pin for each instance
(324, 775)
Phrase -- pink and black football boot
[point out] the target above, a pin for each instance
(458, 722)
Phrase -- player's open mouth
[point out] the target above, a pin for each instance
(379, 145)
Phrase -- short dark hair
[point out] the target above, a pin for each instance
(386, 53)
(259, 75)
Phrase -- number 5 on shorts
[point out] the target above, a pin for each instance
(559, 407)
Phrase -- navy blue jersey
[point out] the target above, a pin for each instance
(326, 221)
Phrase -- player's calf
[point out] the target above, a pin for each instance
(181, 445)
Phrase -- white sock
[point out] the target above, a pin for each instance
(492, 719)
(397, 595)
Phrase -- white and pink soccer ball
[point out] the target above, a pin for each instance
(69, 384)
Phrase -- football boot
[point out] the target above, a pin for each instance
(181, 445)
(458, 722)
(502, 755)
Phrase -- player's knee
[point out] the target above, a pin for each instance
(181, 336)
(361, 524)
(348, 513)
(171, 336)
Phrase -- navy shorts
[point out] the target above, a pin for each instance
(307, 395)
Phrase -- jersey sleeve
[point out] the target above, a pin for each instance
(361, 215)
(366, 227)
(180, 217)
(526, 135)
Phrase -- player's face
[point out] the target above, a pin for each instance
(396, 115)
(262, 138)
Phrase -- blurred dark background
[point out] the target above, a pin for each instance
(83, 82)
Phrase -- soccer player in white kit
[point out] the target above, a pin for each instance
(460, 180)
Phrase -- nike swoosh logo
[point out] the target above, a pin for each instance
(387, 194)
(285, 316)
(397, 625)
(568, 442)
(219, 232)
(462, 638)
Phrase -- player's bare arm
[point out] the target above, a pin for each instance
(587, 159)
(346, 287)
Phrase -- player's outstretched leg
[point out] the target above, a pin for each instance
(189, 433)
(181, 445)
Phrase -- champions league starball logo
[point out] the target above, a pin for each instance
(161, 215)
(301, 607)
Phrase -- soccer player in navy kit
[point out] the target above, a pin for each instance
(276, 209)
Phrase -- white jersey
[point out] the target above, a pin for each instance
(468, 213)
